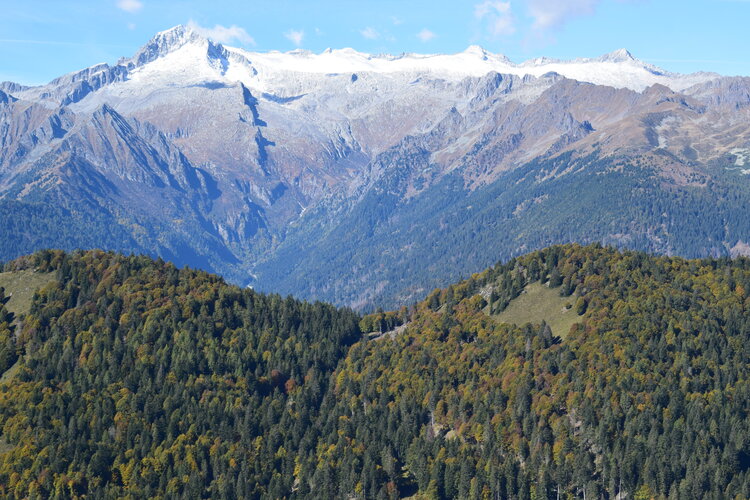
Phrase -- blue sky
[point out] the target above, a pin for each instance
(42, 39)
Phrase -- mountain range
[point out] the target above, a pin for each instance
(368, 180)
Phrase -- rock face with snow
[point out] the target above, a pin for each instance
(288, 170)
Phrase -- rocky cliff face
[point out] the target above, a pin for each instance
(266, 166)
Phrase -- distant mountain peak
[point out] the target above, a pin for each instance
(168, 41)
(476, 50)
(618, 56)
(485, 55)
(176, 35)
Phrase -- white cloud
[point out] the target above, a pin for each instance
(551, 14)
(131, 6)
(498, 16)
(498, 19)
(398, 21)
(426, 35)
(295, 36)
(370, 33)
(224, 34)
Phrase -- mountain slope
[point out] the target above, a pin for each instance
(397, 251)
(249, 164)
(136, 378)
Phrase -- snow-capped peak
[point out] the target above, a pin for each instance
(481, 53)
(476, 50)
(167, 41)
(617, 56)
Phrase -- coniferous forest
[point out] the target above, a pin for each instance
(130, 378)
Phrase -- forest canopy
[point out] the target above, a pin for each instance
(130, 377)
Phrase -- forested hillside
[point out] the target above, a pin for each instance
(647, 395)
(143, 379)
(136, 378)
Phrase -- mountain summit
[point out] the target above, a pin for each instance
(167, 41)
(618, 56)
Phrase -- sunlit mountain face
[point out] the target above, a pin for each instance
(366, 179)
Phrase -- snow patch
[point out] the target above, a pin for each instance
(742, 157)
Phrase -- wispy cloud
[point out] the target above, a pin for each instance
(498, 16)
(426, 35)
(552, 14)
(397, 21)
(223, 34)
(370, 33)
(131, 6)
(295, 36)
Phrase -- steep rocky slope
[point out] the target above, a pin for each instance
(316, 173)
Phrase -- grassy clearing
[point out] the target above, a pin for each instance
(23, 284)
(5, 446)
(10, 372)
(538, 302)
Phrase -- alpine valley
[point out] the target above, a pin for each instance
(368, 180)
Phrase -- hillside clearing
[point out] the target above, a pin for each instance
(539, 303)
(21, 285)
